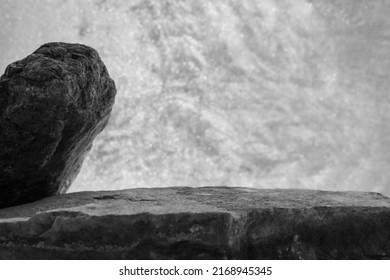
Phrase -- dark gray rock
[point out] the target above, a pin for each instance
(52, 105)
(199, 223)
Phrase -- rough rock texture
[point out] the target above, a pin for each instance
(199, 223)
(52, 105)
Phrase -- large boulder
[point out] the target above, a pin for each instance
(199, 223)
(52, 105)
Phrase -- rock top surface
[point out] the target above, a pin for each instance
(52, 105)
(199, 223)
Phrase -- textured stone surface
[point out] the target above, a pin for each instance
(199, 223)
(52, 105)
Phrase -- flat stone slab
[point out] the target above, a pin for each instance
(199, 223)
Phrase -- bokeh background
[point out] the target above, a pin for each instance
(265, 94)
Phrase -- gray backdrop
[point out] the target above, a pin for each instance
(267, 94)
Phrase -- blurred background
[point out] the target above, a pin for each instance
(265, 94)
